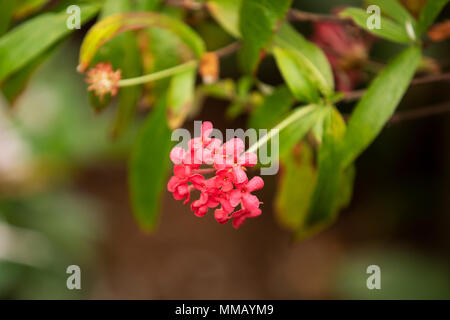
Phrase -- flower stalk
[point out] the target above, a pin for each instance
(297, 114)
(158, 75)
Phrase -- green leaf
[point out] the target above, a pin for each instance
(271, 111)
(292, 72)
(429, 13)
(292, 128)
(128, 96)
(310, 58)
(123, 53)
(30, 39)
(25, 8)
(149, 167)
(226, 13)
(147, 5)
(346, 183)
(296, 185)
(180, 97)
(326, 200)
(16, 83)
(390, 30)
(162, 53)
(6, 11)
(296, 126)
(223, 89)
(111, 26)
(379, 103)
(395, 10)
(257, 23)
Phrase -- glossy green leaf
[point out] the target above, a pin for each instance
(395, 10)
(26, 8)
(180, 97)
(429, 13)
(242, 98)
(147, 5)
(326, 198)
(224, 89)
(293, 73)
(257, 22)
(292, 128)
(310, 58)
(272, 110)
(123, 53)
(111, 26)
(6, 12)
(297, 181)
(162, 52)
(390, 30)
(379, 103)
(128, 96)
(345, 192)
(16, 83)
(300, 122)
(30, 39)
(226, 13)
(149, 167)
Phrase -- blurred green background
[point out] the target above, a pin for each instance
(64, 201)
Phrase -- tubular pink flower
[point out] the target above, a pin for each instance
(224, 180)
(229, 185)
(240, 216)
(221, 216)
(232, 157)
(243, 194)
(179, 188)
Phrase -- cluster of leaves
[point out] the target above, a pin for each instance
(146, 37)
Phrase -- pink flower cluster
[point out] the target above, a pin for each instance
(229, 185)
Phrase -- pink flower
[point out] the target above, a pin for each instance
(179, 188)
(243, 194)
(207, 154)
(207, 195)
(221, 216)
(227, 188)
(224, 180)
(200, 207)
(232, 158)
(240, 216)
(223, 198)
(204, 139)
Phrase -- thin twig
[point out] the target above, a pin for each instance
(293, 14)
(431, 78)
(298, 15)
(185, 4)
(420, 113)
(227, 50)
(357, 94)
(158, 75)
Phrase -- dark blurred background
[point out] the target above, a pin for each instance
(64, 200)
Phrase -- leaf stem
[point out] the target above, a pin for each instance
(297, 114)
(420, 113)
(158, 75)
(357, 94)
(293, 14)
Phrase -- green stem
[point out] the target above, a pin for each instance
(158, 75)
(299, 113)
